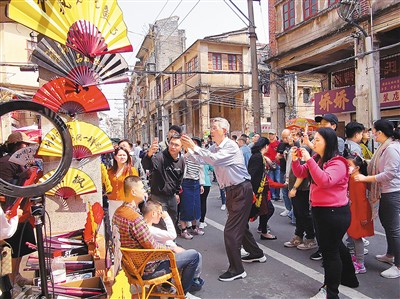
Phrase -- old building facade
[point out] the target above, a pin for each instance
(351, 47)
(211, 78)
(17, 79)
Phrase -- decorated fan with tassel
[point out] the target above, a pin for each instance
(87, 140)
(93, 220)
(75, 182)
(85, 71)
(90, 27)
(63, 96)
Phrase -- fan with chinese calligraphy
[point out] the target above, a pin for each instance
(85, 71)
(75, 182)
(87, 140)
(90, 27)
(64, 96)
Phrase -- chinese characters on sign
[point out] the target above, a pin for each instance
(341, 100)
(389, 96)
(335, 101)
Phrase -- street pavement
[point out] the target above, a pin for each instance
(288, 272)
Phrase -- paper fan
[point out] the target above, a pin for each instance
(65, 62)
(64, 96)
(90, 27)
(87, 140)
(75, 182)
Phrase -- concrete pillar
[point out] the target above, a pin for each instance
(274, 100)
(204, 110)
(189, 117)
(361, 100)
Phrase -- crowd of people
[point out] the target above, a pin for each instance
(332, 190)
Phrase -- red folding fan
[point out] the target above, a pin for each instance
(85, 71)
(64, 96)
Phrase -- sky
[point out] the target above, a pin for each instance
(199, 18)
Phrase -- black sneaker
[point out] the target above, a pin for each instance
(228, 276)
(316, 256)
(251, 258)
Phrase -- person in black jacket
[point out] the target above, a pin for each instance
(258, 169)
(166, 174)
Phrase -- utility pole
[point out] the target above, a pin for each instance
(255, 96)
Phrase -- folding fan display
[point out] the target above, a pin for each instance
(75, 182)
(65, 62)
(87, 140)
(90, 27)
(63, 96)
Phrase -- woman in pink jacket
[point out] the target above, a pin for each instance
(329, 176)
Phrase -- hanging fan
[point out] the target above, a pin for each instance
(63, 96)
(75, 182)
(65, 62)
(89, 27)
(87, 140)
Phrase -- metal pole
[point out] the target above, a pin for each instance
(255, 96)
(37, 210)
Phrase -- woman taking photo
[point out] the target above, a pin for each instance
(329, 176)
(384, 176)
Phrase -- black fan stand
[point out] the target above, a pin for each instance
(38, 211)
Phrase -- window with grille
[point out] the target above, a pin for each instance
(288, 15)
(178, 77)
(232, 62)
(306, 95)
(332, 2)
(167, 85)
(310, 8)
(217, 61)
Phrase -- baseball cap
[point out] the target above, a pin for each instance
(176, 128)
(271, 131)
(18, 137)
(197, 140)
(332, 118)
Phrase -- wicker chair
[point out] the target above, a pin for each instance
(134, 262)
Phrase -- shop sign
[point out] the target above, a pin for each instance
(389, 96)
(335, 101)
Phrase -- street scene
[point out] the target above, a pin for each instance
(287, 271)
(199, 149)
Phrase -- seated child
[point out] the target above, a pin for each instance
(152, 213)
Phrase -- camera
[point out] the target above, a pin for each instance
(299, 153)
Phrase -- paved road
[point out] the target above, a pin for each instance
(288, 272)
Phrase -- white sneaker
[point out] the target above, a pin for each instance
(365, 241)
(284, 213)
(223, 207)
(243, 252)
(202, 225)
(392, 272)
(321, 294)
(385, 259)
(191, 296)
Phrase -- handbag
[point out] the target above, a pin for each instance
(5, 258)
